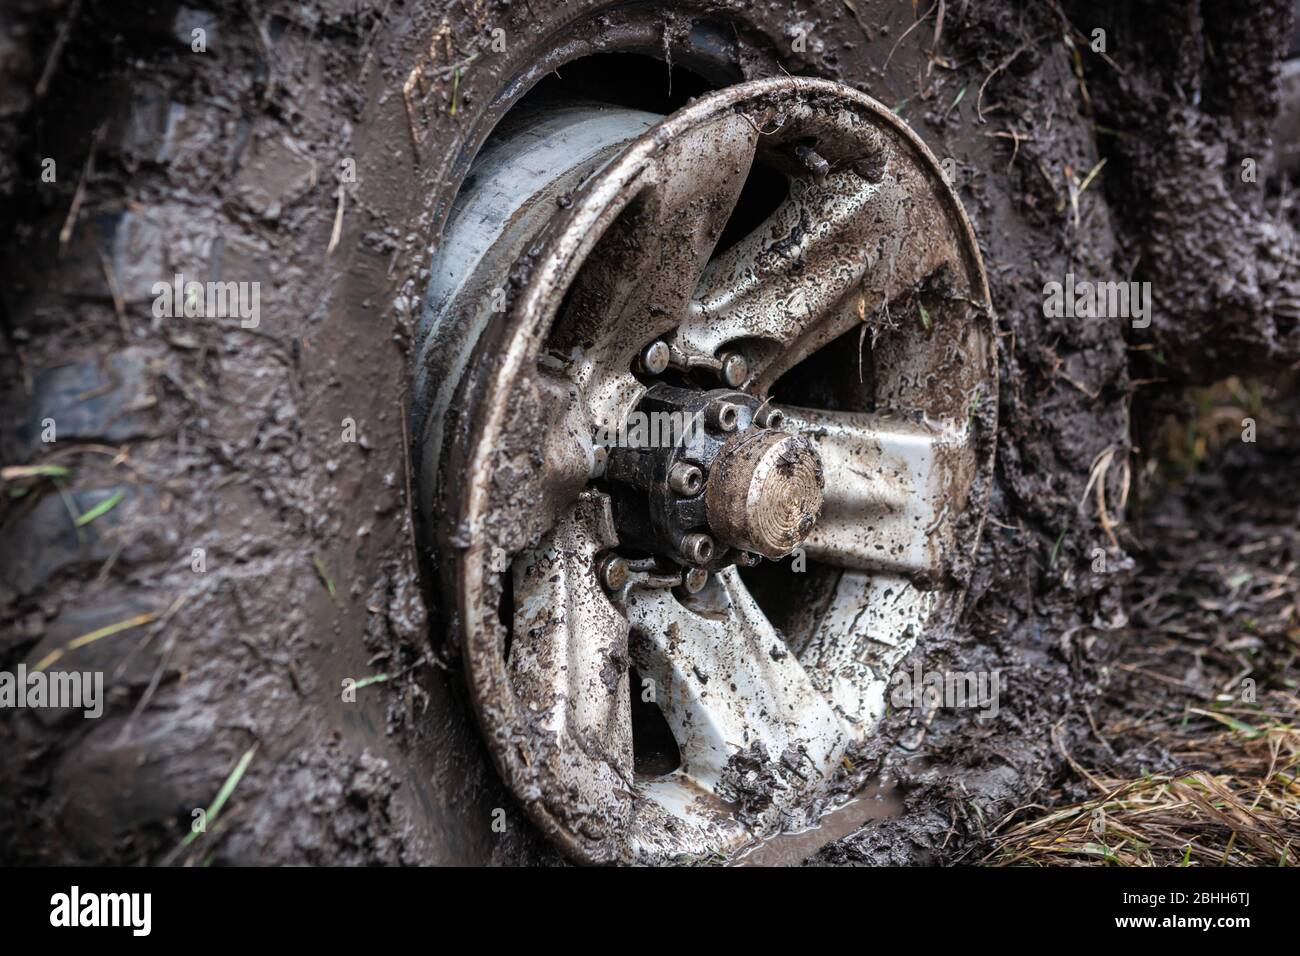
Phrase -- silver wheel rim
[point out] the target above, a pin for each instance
(612, 251)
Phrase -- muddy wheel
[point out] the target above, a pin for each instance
(243, 562)
(705, 407)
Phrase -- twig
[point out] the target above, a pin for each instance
(93, 636)
(1076, 193)
(1016, 138)
(163, 661)
(338, 224)
(904, 34)
(938, 25)
(979, 99)
(56, 51)
(119, 304)
(70, 222)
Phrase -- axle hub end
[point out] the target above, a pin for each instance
(765, 492)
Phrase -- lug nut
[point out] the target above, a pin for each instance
(686, 480)
(812, 161)
(722, 416)
(697, 548)
(735, 369)
(613, 572)
(769, 417)
(694, 580)
(655, 357)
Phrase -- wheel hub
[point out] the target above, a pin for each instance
(634, 433)
(707, 479)
(765, 492)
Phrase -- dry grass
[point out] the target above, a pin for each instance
(1244, 813)
(1192, 756)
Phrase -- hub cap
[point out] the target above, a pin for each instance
(587, 546)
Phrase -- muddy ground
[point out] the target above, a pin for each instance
(227, 164)
(1194, 748)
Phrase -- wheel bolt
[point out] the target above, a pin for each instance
(655, 356)
(735, 369)
(722, 416)
(769, 417)
(697, 548)
(686, 480)
(613, 572)
(813, 161)
(694, 580)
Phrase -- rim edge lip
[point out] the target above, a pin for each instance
(576, 232)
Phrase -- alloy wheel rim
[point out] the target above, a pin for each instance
(870, 238)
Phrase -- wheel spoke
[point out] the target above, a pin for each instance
(837, 252)
(636, 284)
(869, 627)
(568, 658)
(546, 455)
(726, 682)
(890, 497)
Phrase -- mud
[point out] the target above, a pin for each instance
(227, 164)
(1213, 599)
(874, 801)
(1185, 111)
